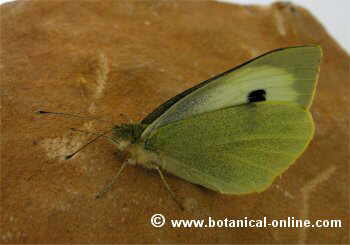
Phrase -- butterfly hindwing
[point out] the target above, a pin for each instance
(235, 150)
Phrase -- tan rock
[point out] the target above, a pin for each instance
(103, 58)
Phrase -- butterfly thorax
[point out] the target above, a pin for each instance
(128, 139)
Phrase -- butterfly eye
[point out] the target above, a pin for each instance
(257, 96)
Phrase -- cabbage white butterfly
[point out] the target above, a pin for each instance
(234, 133)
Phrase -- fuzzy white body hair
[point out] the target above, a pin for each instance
(138, 155)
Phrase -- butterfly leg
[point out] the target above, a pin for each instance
(109, 186)
(172, 194)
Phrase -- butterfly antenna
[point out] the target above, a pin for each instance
(109, 186)
(88, 132)
(72, 115)
(172, 194)
(88, 143)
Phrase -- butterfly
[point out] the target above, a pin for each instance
(234, 133)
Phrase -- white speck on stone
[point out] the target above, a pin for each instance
(61, 147)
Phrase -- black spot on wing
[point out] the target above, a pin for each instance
(257, 95)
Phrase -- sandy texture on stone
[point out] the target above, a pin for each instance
(104, 58)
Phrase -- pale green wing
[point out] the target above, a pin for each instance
(236, 150)
(288, 75)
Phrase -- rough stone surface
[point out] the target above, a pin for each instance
(104, 58)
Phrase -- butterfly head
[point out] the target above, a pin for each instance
(128, 132)
(129, 141)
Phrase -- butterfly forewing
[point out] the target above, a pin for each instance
(287, 75)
